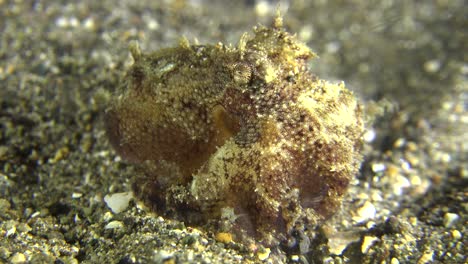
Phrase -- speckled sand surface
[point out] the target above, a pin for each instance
(60, 61)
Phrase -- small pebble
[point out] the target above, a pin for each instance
(367, 243)
(224, 237)
(18, 258)
(339, 241)
(400, 184)
(378, 167)
(366, 212)
(162, 256)
(114, 225)
(432, 66)
(294, 258)
(427, 257)
(456, 234)
(399, 143)
(264, 254)
(450, 219)
(369, 135)
(76, 195)
(10, 227)
(118, 202)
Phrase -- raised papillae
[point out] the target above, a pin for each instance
(242, 139)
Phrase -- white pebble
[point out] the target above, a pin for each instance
(378, 167)
(118, 202)
(366, 212)
(369, 135)
(450, 219)
(339, 241)
(76, 195)
(114, 225)
(400, 183)
(367, 243)
(456, 234)
(432, 66)
(18, 258)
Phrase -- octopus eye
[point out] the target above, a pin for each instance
(242, 73)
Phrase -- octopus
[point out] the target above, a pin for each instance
(240, 138)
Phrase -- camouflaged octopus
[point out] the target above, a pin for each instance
(243, 139)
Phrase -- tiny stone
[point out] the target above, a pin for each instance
(190, 255)
(263, 255)
(400, 182)
(107, 216)
(73, 21)
(114, 225)
(77, 218)
(337, 242)
(10, 227)
(432, 66)
(4, 253)
(369, 135)
(423, 187)
(35, 214)
(415, 180)
(294, 258)
(366, 212)
(162, 255)
(450, 219)
(11, 231)
(153, 24)
(362, 196)
(376, 197)
(367, 243)
(399, 143)
(392, 170)
(118, 202)
(18, 258)
(23, 228)
(224, 237)
(405, 165)
(370, 224)
(413, 221)
(76, 195)
(378, 167)
(89, 24)
(456, 234)
(4, 205)
(464, 173)
(61, 22)
(61, 154)
(427, 257)
(395, 261)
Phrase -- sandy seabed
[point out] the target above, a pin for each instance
(60, 62)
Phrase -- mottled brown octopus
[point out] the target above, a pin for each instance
(242, 139)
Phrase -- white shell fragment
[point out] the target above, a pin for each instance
(118, 202)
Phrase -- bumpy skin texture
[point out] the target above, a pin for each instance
(244, 138)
